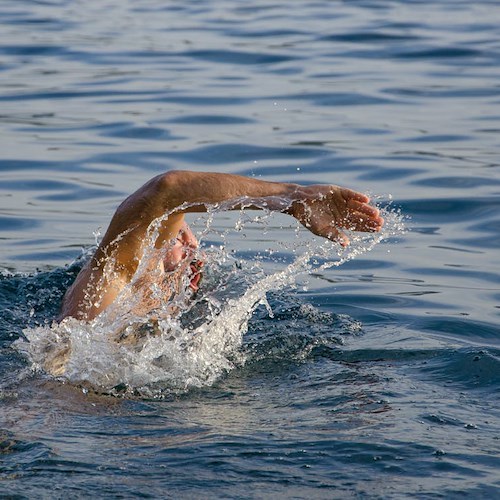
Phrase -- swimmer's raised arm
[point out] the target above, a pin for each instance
(324, 209)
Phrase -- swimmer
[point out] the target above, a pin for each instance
(326, 210)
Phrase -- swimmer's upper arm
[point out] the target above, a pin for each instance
(116, 259)
(90, 294)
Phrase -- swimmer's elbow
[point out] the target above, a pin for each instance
(175, 180)
(178, 187)
(172, 188)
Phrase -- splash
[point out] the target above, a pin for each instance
(191, 340)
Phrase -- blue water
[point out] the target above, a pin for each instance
(379, 378)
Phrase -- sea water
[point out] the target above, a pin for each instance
(296, 372)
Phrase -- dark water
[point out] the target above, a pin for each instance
(377, 379)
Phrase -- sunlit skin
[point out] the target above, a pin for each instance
(325, 210)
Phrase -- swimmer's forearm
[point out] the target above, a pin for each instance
(197, 190)
(323, 209)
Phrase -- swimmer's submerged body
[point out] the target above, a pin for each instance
(326, 210)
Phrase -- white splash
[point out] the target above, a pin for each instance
(188, 342)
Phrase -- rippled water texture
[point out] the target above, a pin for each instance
(379, 378)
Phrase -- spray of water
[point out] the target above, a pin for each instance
(189, 341)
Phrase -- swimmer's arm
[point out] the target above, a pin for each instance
(323, 209)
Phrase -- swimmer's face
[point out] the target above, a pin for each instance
(182, 256)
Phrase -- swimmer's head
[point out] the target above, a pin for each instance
(180, 258)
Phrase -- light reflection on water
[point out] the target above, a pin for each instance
(393, 98)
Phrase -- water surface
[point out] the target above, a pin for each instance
(378, 378)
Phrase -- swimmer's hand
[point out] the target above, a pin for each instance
(327, 210)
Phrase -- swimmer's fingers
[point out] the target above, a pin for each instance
(322, 225)
(362, 217)
(333, 233)
(338, 236)
(362, 207)
(350, 195)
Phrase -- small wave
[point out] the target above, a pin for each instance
(466, 368)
